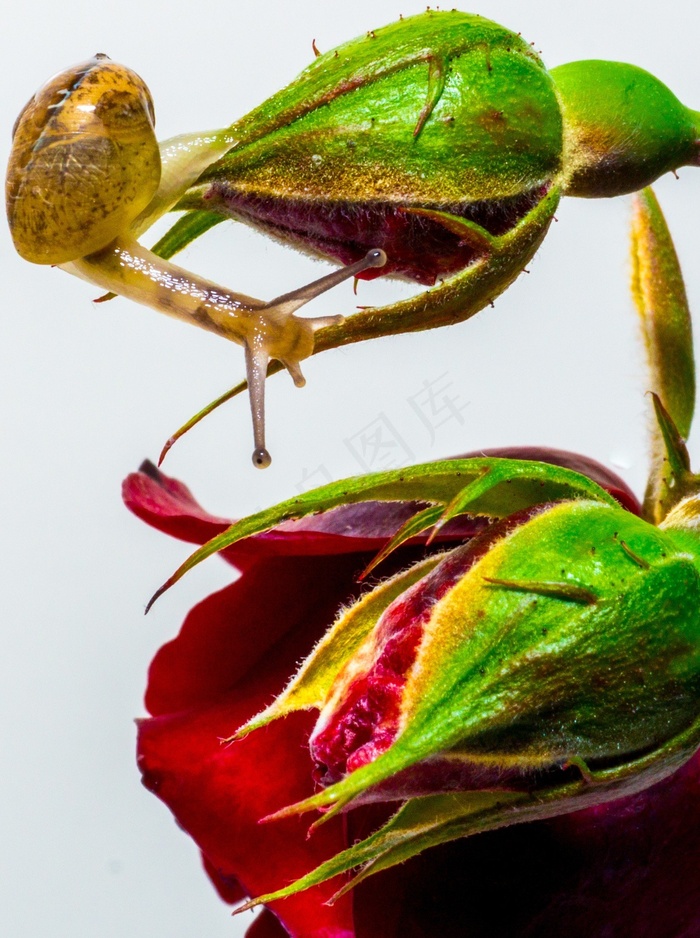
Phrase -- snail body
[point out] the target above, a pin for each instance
(86, 177)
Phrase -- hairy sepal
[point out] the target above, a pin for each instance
(499, 487)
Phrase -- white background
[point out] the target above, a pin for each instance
(88, 392)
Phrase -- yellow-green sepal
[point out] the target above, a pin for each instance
(310, 687)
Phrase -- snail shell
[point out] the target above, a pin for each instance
(84, 162)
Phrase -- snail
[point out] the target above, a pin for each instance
(86, 177)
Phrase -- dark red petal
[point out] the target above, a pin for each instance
(417, 247)
(230, 632)
(266, 925)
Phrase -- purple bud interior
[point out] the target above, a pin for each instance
(417, 247)
(367, 721)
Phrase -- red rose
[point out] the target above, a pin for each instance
(626, 868)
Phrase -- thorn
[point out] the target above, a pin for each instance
(635, 558)
(568, 592)
(355, 282)
(315, 48)
(675, 174)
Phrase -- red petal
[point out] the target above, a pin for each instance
(169, 506)
(218, 793)
(202, 687)
(228, 887)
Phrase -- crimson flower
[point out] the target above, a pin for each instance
(625, 868)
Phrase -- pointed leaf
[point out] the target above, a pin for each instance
(412, 821)
(675, 449)
(205, 411)
(514, 484)
(661, 301)
(673, 481)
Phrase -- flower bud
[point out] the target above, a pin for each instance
(433, 135)
(550, 664)
(443, 113)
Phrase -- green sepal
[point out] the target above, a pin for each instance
(426, 822)
(387, 111)
(677, 454)
(513, 484)
(660, 298)
(420, 522)
(623, 128)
